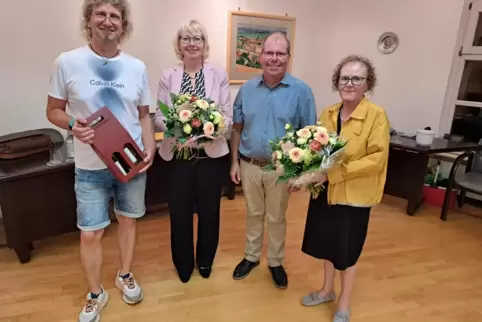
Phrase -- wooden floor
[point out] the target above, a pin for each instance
(412, 269)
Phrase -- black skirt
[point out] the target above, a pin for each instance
(334, 232)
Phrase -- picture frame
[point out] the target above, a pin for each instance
(246, 32)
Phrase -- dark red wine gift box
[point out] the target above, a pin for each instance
(115, 146)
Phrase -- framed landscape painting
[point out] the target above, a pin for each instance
(246, 32)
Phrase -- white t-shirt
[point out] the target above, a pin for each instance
(81, 77)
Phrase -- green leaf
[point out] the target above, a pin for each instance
(312, 167)
(292, 169)
(281, 179)
(164, 108)
(177, 132)
(174, 98)
(169, 133)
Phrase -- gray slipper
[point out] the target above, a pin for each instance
(314, 298)
(341, 317)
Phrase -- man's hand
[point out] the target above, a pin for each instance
(149, 158)
(235, 173)
(82, 132)
(148, 138)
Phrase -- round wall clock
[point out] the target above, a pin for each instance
(387, 43)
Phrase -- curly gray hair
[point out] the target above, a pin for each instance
(371, 75)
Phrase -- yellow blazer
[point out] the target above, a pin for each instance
(359, 179)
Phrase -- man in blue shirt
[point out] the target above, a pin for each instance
(262, 108)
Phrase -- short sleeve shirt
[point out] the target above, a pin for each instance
(88, 83)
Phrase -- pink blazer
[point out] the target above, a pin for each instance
(217, 88)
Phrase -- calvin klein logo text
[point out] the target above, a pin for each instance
(107, 84)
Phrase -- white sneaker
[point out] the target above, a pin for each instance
(92, 307)
(132, 292)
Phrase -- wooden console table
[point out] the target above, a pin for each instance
(407, 167)
(38, 201)
(408, 163)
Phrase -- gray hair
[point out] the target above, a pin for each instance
(192, 27)
(121, 5)
(371, 80)
(278, 36)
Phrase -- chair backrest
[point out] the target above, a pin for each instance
(477, 163)
(453, 137)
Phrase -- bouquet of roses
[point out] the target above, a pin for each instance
(302, 157)
(192, 121)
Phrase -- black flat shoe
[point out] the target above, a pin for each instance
(280, 278)
(205, 271)
(184, 277)
(243, 269)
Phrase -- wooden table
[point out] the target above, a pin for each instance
(408, 163)
(38, 201)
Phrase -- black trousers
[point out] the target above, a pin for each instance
(194, 185)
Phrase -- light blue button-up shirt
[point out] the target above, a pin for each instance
(265, 111)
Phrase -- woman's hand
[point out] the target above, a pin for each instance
(322, 180)
(292, 188)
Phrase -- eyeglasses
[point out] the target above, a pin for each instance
(186, 40)
(355, 80)
(102, 16)
(271, 54)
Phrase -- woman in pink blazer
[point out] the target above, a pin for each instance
(194, 183)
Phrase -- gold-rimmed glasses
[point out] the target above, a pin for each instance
(280, 54)
(196, 39)
(102, 16)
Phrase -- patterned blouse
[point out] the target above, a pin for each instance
(186, 85)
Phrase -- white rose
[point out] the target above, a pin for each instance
(202, 104)
(304, 133)
(279, 155)
(301, 141)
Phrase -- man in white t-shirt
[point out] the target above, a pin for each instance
(84, 80)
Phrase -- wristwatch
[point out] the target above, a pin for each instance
(71, 123)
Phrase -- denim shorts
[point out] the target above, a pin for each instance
(94, 190)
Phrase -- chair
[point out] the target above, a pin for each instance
(470, 181)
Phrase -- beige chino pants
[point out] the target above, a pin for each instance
(264, 197)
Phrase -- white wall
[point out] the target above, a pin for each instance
(412, 80)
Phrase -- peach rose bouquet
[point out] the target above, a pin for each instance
(192, 121)
(302, 156)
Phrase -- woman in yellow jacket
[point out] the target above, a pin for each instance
(337, 221)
